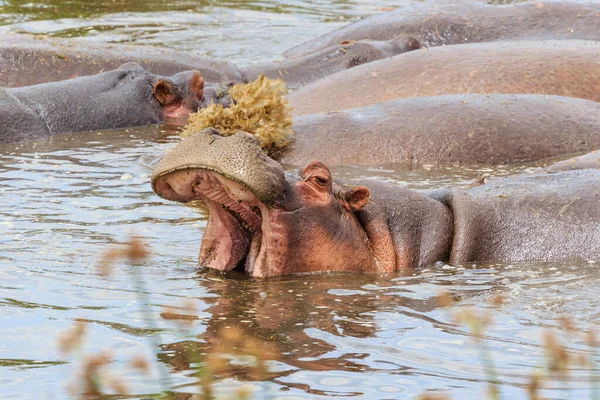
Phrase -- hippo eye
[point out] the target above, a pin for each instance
(321, 181)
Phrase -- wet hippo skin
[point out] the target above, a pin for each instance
(436, 23)
(563, 67)
(589, 160)
(27, 60)
(128, 96)
(469, 129)
(270, 223)
(299, 71)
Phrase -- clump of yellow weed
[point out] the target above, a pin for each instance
(258, 108)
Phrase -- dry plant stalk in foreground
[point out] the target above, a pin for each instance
(219, 361)
(94, 376)
(559, 361)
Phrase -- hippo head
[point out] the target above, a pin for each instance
(176, 96)
(217, 93)
(363, 51)
(262, 219)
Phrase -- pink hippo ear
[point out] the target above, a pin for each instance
(357, 198)
(197, 85)
(164, 93)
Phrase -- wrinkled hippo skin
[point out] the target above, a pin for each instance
(457, 22)
(589, 160)
(270, 223)
(297, 72)
(563, 67)
(27, 60)
(469, 129)
(128, 96)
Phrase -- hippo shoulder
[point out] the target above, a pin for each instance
(19, 121)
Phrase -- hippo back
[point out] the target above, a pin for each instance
(457, 22)
(110, 100)
(550, 216)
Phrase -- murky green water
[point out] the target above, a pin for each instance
(62, 202)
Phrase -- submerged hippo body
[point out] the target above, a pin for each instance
(126, 97)
(458, 22)
(26, 60)
(563, 67)
(468, 129)
(297, 72)
(271, 223)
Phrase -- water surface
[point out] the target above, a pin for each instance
(62, 202)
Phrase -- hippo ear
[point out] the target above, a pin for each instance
(164, 93)
(357, 198)
(405, 43)
(197, 85)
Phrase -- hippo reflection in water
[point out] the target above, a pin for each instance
(270, 223)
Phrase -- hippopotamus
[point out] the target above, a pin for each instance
(27, 60)
(589, 160)
(299, 71)
(125, 97)
(562, 67)
(468, 129)
(270, 223)
(435, 24)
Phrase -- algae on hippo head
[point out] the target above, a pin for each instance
(258, 108)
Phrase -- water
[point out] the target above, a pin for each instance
(240, 31)
(64, 201)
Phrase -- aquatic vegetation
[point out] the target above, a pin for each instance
(259, 108)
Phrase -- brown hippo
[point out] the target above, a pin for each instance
(270, 223)
(468, 129)
(589, 160)
(563, 67)
(28, 60)
(456, 22)
(128, 96)
(299, 71)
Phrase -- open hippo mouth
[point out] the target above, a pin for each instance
(238, 191)
(233, 234)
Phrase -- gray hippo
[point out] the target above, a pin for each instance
(270, 223)
(299, 71)
(128, 96)
(562, 67)
(28, 60)
(468, 129)
(457, 22)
